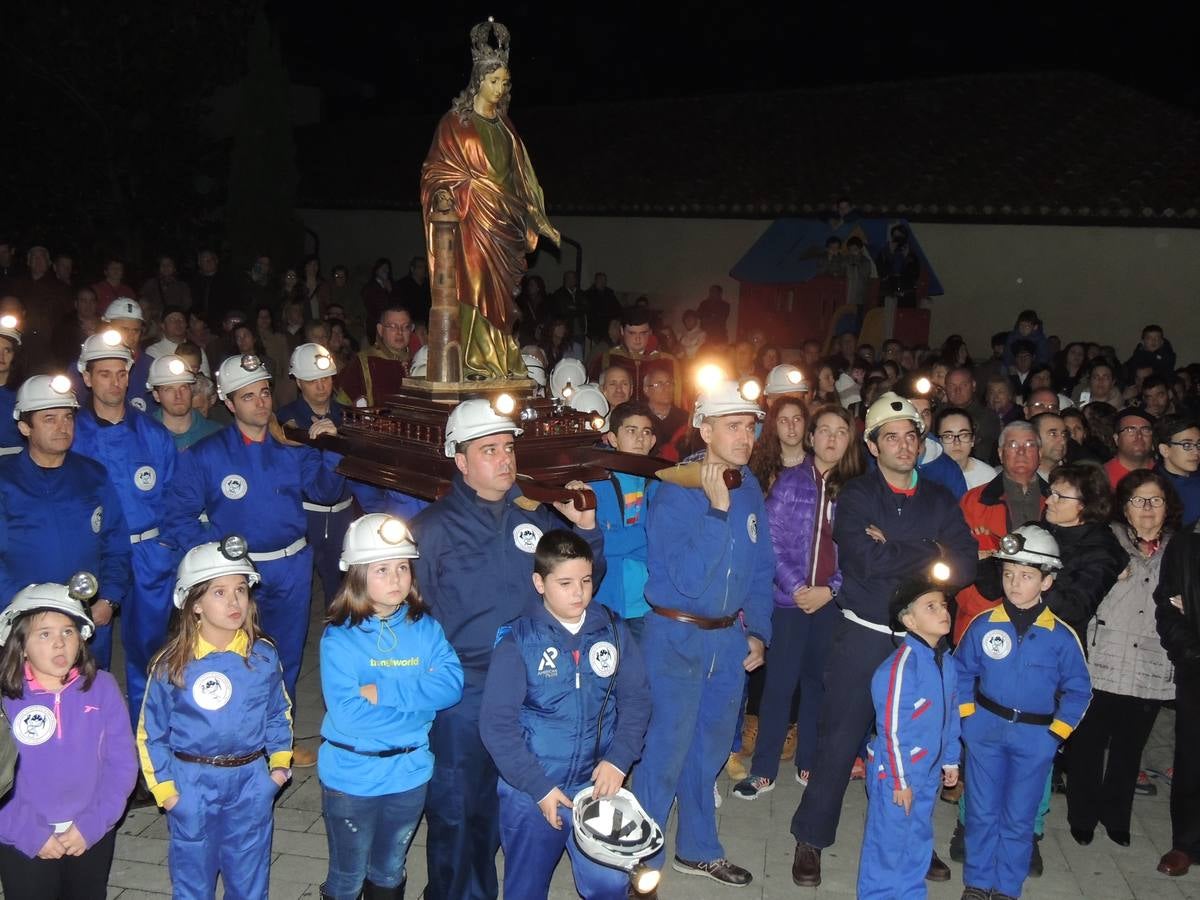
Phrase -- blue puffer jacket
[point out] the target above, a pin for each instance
(794, 511)
(624, 546)
(543, 697)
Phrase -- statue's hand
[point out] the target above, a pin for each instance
(443, 201)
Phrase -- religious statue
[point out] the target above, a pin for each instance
(479, 173)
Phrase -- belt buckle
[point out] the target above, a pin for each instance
(1016, 715)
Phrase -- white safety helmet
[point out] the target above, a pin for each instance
(1030, 545)
(785, 379)
(10, 328)
(589, 398)
(616, 832)
(728, 398)
(44, 392)
(105, 344)
(374, 538)
(238, 371)
(420, 362)
(67, 599)
(567, 376)
(123, 308)
(310, 362)
(848, 390)
(169, 370)
(212, 560)
(535, 367)
(473, 419)
(891, 407)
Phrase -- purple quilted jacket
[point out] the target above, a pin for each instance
(792, 510)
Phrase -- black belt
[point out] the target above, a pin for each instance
(704, 623)
(393, 751)
(224, 762)
(1012, 715)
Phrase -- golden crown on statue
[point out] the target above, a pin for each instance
(482, 50)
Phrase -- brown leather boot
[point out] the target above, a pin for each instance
(806, 865)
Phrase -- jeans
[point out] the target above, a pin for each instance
(368, 838)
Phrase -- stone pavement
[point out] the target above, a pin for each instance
(755, 834)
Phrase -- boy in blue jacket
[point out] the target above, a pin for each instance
(565, 705)
(1032, 688)
(622, 506)
(915, 749)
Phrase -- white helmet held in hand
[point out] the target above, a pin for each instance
(473, 419)
(374, 538)
(239, 371)
(105, 344)
(44, 392)
(1030, 545)
(10, 328)
(67, 599)
(891, 407)
(535, 367)
(123, 308)
(728, 398)
(785, 379)
(212, 560)
(169, 370)
(616, 832)
(310, 362)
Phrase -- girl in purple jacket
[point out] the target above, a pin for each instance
(77, 762)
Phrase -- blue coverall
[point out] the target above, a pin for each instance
(915, 692)
(708, 563)
(1042, 672)
(255, 489)
(10, 438)
(475, 572)
(56, 522)
(232, 703)
(139, 455)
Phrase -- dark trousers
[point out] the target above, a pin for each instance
(796, 660)
(1185, 785)
(855, 652)
(1098, 793)
(69, 878)
(462, 809)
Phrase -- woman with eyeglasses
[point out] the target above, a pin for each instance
(955, 429)
(1131, 674)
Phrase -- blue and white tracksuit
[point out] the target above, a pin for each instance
(713, 564)
(551, 713)
(915, 692)
(139, 455)
(256, 489)
(1041, 672)
(475, 572)
(232, 703)
(56, 522)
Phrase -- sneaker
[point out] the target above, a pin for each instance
(859, 771)
(749, 735)
(1161, 774)
(802, 776)
(974, 893)
(717, 798)
(752, 788)
(735, 767)
(1145, 787)
(719, 870)
(958, 845)
(789, 744)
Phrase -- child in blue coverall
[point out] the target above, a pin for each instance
(1031, 688)
(215, 706)
(565, 705)
(916, 745)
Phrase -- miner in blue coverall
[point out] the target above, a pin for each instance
(1031, 689)
(710, 566)
(10, 437)
(916, 746)
(124, 316)
(139, 455)
(475, 572)
(249, 483)
(58, 512)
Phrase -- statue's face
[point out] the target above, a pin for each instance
(495, 85)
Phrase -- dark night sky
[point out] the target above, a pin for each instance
(414, 61)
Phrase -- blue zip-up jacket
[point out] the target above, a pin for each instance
(254, 490)
(871, 571)
(1188, 489)
(56, 522)
(476, 567)
(415, 672)
(915, 693)
(624, 546)
(542, 700)
(139, 455)
(712, 563)
(1043, 672)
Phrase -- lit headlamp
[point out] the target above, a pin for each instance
(392, 531)
(83, 586)
(234, 547)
